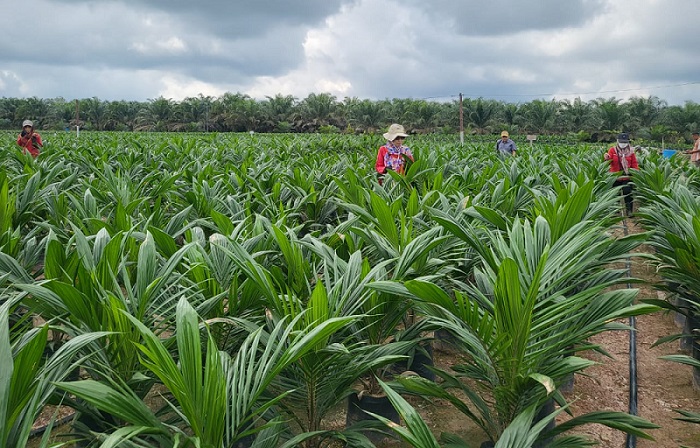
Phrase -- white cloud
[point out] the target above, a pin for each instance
(169, 45)
(179, 88)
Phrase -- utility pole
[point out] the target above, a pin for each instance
(77, 118)
(461, 121)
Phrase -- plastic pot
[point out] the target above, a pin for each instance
(359, 406)
(445, 342)
(546, 409)
(420, 363)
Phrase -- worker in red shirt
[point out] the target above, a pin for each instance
(623, 159)
(29, 140)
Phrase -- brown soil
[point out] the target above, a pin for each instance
(663, 386)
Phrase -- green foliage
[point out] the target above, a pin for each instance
(262, 277)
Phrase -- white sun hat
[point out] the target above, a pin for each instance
(395, 130)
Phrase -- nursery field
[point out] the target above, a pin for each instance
(235, 290)
(663, 387)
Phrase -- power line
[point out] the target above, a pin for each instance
(564, 94)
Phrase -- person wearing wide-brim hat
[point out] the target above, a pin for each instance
(506, 146)
(393, 154)
(29, 139)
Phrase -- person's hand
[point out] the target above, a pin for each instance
(606, 156)
(23, 133)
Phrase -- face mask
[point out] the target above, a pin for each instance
(623, 145)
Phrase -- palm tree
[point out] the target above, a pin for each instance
(539, 116)
(276, 111)
(481, 113)
(156, 116)
(194, 113)
(61, 113)
(422, 115)
(644, 112)
(510, 113)
(684, 119)
(577, 115)
(122, 115)
(365, 115)
(317, 110)
(29, 378)
(612, 115)
(34, 108)
(8, 113)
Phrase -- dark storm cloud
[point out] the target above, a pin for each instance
(138, 49)
(231, 19)
(508, 16)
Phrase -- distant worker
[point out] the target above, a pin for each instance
(695, 152)
(29, 140)
(505, 146)
(623, 160)
(393, 154)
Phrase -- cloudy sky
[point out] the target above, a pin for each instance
(509, 50)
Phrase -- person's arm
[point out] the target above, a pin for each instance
(633, 161)
(611, 155)
(23, 139)
(379, 165)
(409, 154)
(38, 140)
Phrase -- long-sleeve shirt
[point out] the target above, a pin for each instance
(390, 157)
(30, 144)
(616, 164)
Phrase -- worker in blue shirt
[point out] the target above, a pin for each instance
(505, 145)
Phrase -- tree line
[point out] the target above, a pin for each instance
(649, 117)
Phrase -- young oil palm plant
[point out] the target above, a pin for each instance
(332, 289)
(28, 379)
(88, 285)
(675, 227)
(534, 302)
(217, 399)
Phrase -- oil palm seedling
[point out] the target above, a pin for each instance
(89, 282)
(523, 318)
(28, 380)
(325, 376)
(217, 399)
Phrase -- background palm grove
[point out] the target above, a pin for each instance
(210, 289)
(650, 117)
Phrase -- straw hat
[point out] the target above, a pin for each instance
(505, 134)
(395, 130)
